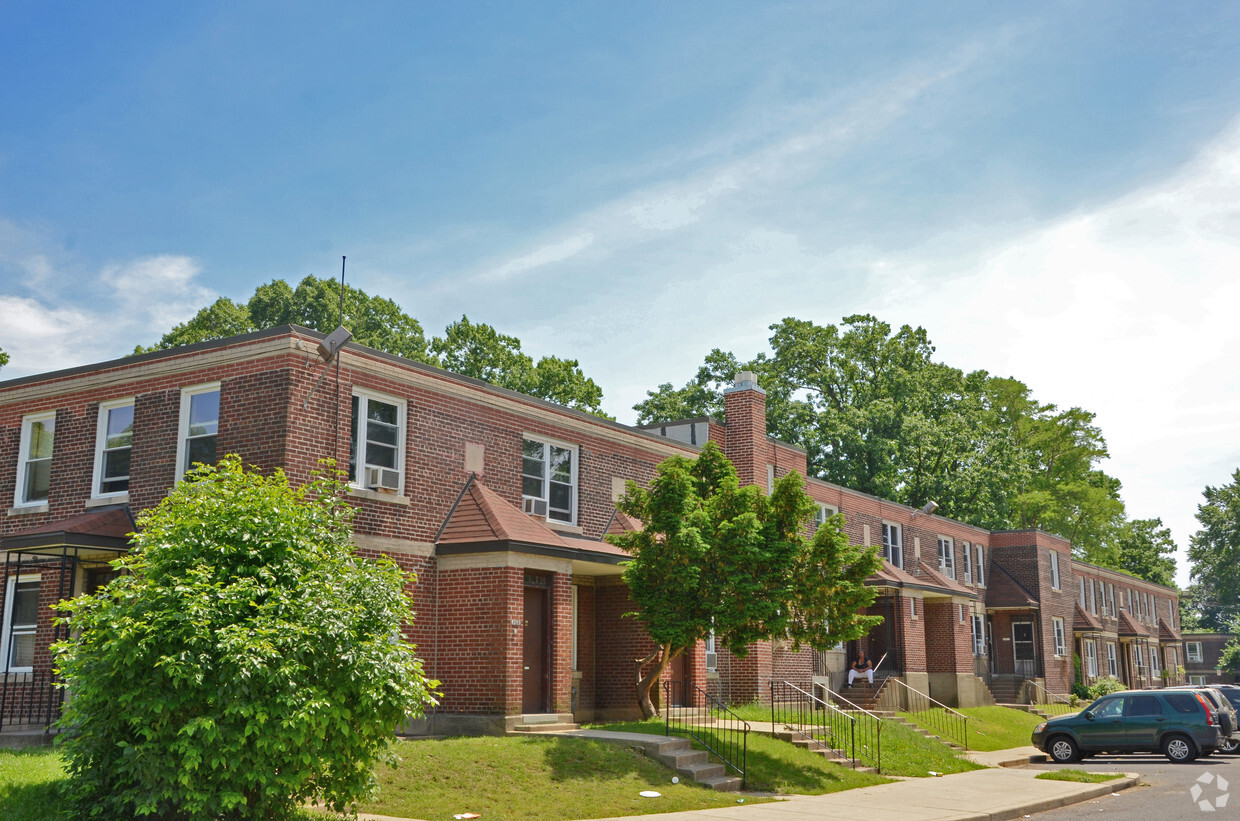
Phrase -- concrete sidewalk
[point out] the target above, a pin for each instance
(979, 795)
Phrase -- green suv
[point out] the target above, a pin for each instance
(1181, 724)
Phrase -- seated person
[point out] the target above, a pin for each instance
(861, 666)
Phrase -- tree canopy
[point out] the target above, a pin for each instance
(4, 358)
(1214, 551)
(714, 557)
(877, 413)
(470, 349)
(244, 662)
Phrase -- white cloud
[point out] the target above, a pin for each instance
(546, 255)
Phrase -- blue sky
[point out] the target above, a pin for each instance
(1052, 190)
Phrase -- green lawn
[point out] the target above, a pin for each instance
(777, 766)
(29, 782)
(908, 753)
(992, 728)
(1078, 775)
(535, 777)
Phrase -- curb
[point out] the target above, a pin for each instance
(1094, 791)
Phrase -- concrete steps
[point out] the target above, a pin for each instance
(673, 752)
(921, 731)
(834, 756)
(542, 723)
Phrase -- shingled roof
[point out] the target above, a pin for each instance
(1004, 591)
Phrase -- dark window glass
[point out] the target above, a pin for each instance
(1144, 706)
(1183, 702)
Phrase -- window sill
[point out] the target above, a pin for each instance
(376, 496)
(564, 527)
(104, 501)
(25, 510)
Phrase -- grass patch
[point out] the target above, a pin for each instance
(1079, 776)
(30, 785)
(999, 728)
(908, 753)
(777, 766)
(513, 779)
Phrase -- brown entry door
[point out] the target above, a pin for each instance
(1023, 654)
(534, 656)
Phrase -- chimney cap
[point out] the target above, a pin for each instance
(744, 381)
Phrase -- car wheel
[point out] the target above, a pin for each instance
(1179, 750)
(1063, 750)
(1230, 745)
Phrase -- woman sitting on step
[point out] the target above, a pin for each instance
(861, 666)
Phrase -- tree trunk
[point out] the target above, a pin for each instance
(644, 685)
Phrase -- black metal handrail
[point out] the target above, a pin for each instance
(855, 736)
(30, 699)
(934, 716)
(692, 711)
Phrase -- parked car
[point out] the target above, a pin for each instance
(1179, 723)
(1227, 702)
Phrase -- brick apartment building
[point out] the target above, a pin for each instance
(1202, 652)
(499, 503)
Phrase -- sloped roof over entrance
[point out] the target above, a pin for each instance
(482, 521)
(891, 576)
(1128, 627)
(1166, 632)
(106, 528)
(1082, 622)
(1004, 591)
(943, 582)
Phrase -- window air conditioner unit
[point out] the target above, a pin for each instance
(382, 478)
(537, 507)
(712, 661)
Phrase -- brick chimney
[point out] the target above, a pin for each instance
(744, 405)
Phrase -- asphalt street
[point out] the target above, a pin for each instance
(1166, 791)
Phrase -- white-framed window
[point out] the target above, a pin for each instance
(1111, 600)
(377, 441)
(968, 562)
(1171, 614)
(113, 443)
(1102, 594)
(1084, 603)
(199, 426)
(770, 479)
(961, 606)
(21, 616)
(893, 546)
(947, 557)
(1196, 680)
(1093, 597)
(1154, 666)
(1194, 652)
(549, 479)
(1054, 570)
(1112, 660)
(34, 459)
(1091, 656)
(980, 557)
(1145, 606)
(822, 513)
(1061, 645)
(712, 655)
(576, 666)
(912, 607)
(979, 636)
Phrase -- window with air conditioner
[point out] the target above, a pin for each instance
(113, 444)
(34, 460)
(21, 615)
(199, 426)
(967, 552)
(947, 557)
(549, 479)
(377, 442)
(979, 636)
(1194, 651)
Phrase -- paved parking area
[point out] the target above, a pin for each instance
(1166, 791)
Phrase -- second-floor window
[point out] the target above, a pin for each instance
(549, 479)
(376, 443)
(200, 422)
(968, 563)
(114, 443)
(947, 557)
(822, 513)
(34, 466)
(893, 550)
(1054, 571)
(980, 568)
(1194, 651)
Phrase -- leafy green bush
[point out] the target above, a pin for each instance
(246, 663)
(1105, 685)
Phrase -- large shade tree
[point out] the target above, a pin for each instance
(244, 663)
(876, 412)
(712, 556)
(1214, 551)
(467, 348)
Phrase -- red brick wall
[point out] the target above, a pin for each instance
(947, 640)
